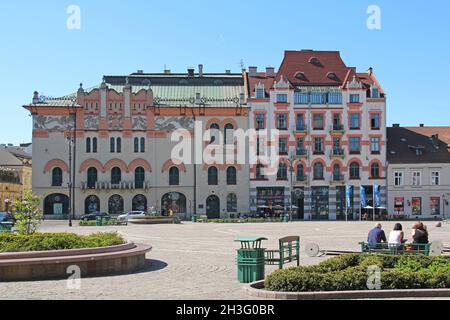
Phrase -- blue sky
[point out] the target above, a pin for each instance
(410, 54)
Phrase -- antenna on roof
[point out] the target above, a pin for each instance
(242, 64)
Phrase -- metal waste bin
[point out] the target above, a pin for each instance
(286, 218)
(250, 260)
(98, 221)
(194, 218)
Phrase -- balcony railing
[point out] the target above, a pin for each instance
(301, 180)
(337, 179)
(301, 152)
(337, 128)
(337, 152)
(301, 128)
(108, 185)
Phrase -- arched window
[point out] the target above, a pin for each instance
(260, 172)
(115, 204)
(174, 176)
(57, 177)
(173, 201)
(215, 133)
(92, 177)
(94, 145)
(354, 171)
(91, 204)
(231, 176)
(300, 173)
(232, 203)
(139, 203)
(337, 173)
(116, 175)
(119, 145)
(375, 170)
(136, 145)
(88, 145)
(112, 145)
(213, 176)
(318, 171)
(139, 178)
(229, 133)
(56, 204)
(142, 145)
(282, 172)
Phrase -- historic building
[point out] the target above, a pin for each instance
(121, 157)
(419, 171)
(15, 175)
(331, 123)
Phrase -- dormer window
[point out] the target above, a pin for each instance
(375, 93)
(332, 76)
(260, 93)
(301, 76)
(314, 61)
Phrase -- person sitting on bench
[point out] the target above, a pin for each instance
(376, 236)
(419, 233)
(397, 237)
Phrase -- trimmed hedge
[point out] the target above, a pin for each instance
(57, 241)
(349, 272)
(112, 222)
(246, 220)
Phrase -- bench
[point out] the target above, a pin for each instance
(403, 249)
(203, 219)
(289, 251)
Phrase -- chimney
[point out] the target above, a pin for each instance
(200, 70)
(252, 71)
(167, 71)
(191, 72)
(422, 125)
(140, 71)
(228, 71)
(270, 72)
(370, 71)
(36, 97)
(396, 125)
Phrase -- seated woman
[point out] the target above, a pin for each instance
(397, 237)
(419, 235)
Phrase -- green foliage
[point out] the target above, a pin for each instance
(112, 222)
(56, 241)
(349, 272)
(27, 213)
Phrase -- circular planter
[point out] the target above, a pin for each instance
(152, 221)
(49, 265)
(256, 289)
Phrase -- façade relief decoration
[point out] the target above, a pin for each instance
(139, 123)
(173, 123)
(91, 122)
(41, 122)
(115, 122)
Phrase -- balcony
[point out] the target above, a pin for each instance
(301, 129)
(337, 153)
(301, 153)
(338, 179)
(108, 185)
(300, 180)
(337, 129)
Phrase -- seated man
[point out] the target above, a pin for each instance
(376, 236)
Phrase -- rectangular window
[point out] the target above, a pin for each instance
(435, 206)
(301, 147)
(282, 98)
(318, 145)
(260, 122)
(318, 122)
(435, 178)
(301, 98)
(416, 178)
(337, 124)
(398, 178)
(282, 146)
(416, 206)
(375, 93)
(318, 98)
(335, 98)
(375, 121)
(354, 121)
(354, 98)
(260, 94)
(355, 145)
(281, 122)
(399, 206)
(300, 122)
(375, 145)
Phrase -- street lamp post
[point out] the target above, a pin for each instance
(291, 163)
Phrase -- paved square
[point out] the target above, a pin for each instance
(196, 261)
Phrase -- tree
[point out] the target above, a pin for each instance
(27, 213)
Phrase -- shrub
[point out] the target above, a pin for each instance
(349, 272)
(112, 222)
(56, 241)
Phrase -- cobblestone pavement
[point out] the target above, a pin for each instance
(195, 261)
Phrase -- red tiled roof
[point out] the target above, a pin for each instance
(443, 132)
(316, 67)
(260, 77)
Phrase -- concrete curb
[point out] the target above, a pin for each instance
(256, 290)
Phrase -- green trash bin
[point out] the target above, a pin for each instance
(286, 218)
(98, 221)
(250, 260)
(194, 218)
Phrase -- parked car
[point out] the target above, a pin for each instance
(131, 215)
(7, 217)
(94, 215)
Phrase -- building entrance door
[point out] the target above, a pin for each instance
(213, 207)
